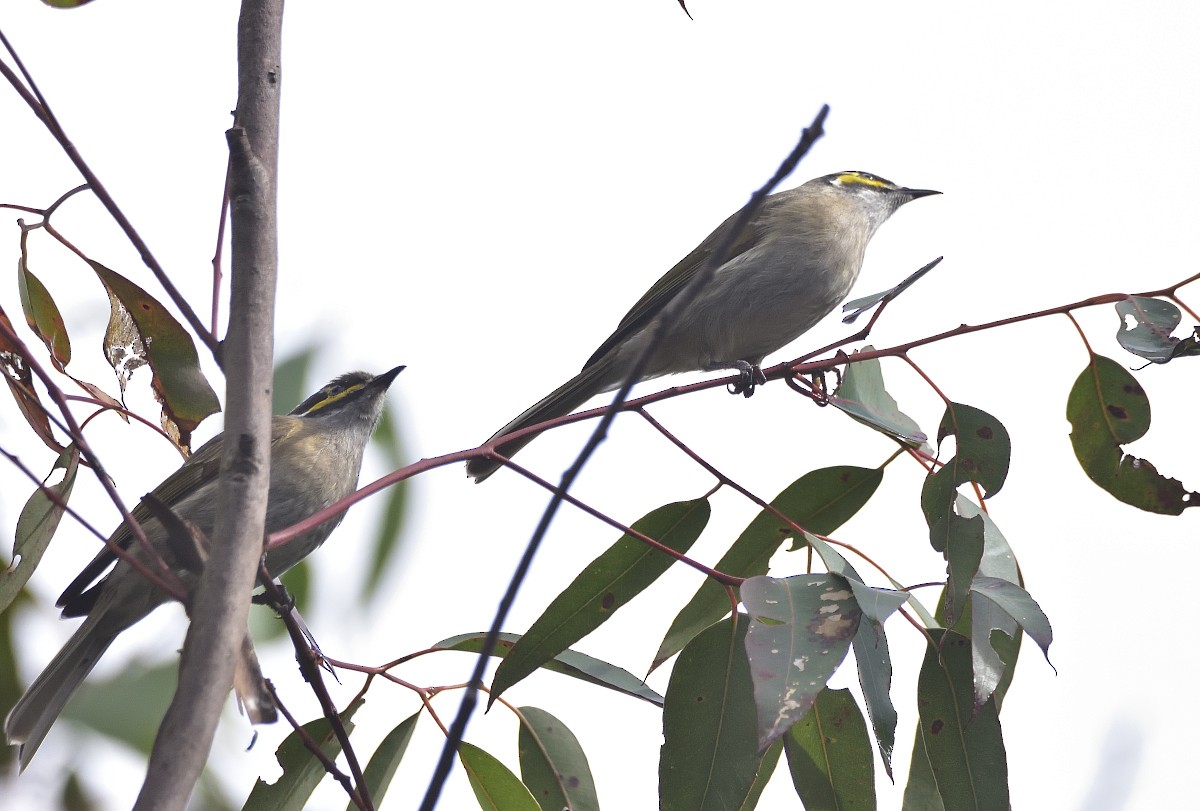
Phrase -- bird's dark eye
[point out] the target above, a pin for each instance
(337, 389)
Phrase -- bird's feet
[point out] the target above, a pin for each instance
(749, 378)
(280, 607)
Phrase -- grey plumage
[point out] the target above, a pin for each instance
(316, 454)
(793, 264)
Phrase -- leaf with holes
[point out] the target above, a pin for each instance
(820, 501)
(140, 332)
(800, 631)
(871, 653)
(1146, 327)
(1107, 409)
(1018, 604)
(984, 447)
(991, 654)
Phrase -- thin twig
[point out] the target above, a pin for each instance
(306, 658)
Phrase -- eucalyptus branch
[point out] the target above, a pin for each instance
(214, 638)
(306, 658)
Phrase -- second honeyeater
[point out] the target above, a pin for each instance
(794, 263)
(316, 454)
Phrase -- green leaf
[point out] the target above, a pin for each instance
(129, 706)
(820, 501)
(709, 759)
(569, 663)
(871, 652)
(938, 494)
(605, 585)
(991, 655)
(141, 331)
(42, 315)
(19, 377)
(1149, 336)
(921, 791)
(800, 631)
(1018, 604)
(874, 662)
(863, 397)
(875, 603)
(964, 550)
(36, 525)
(553, 765)
(829, 755)
(1107, 408)
(983, 449)
(301, 770)
(964, 748)
(766, 768)
(858, 306)
(386, 759)
(496, 788)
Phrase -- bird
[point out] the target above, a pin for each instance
(796, 260)
(316, 455)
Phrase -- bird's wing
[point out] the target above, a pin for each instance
(677, 278)
(200, 469)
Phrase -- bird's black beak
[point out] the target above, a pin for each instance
(384, 380)
(913, 194)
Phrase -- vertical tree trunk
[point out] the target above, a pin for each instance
(220, 603)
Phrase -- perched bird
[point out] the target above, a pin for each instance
(794, 262)
(316, 454)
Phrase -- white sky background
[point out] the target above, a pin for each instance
(481, 190)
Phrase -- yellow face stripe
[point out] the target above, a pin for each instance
(863, 179)
(333, 398)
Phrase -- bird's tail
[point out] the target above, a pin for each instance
(595, 378)
(32, 717)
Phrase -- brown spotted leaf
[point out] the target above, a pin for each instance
(19, 377)
(1107, 409)
(140, 332)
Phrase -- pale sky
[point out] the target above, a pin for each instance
(480, 191)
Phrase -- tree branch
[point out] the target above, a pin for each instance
(221, 604)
